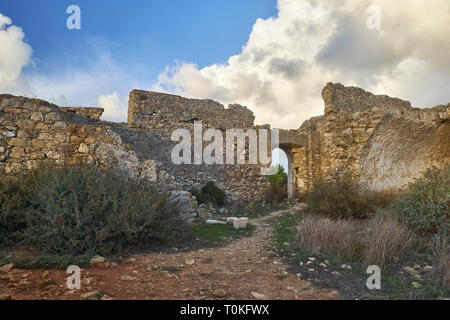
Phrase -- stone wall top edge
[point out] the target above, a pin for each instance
(137, 95)
(339, 97)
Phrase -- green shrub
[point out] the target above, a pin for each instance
(13, 203)
(425, 206)
(280, 178)
(79, 210)
(209, 193)
(278, 185)
(344, 198)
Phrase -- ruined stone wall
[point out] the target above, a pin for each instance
(33, 130)
(166, 112)
(163, 113)
(380, 141)
(94, 113)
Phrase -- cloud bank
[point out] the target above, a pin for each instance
(282, 68)
(15, 54)
(289, 58)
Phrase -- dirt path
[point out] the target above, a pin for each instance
(231, 272)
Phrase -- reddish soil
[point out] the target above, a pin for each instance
(231, 272)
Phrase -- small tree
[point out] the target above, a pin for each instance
(209, 193)
(278, 184)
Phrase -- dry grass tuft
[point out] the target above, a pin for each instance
(385, 239)
(441, 262)
(339, 238)
(375, 241)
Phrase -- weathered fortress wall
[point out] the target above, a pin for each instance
(33, 130)
(163, 113)
(380, 141)
(166, 112)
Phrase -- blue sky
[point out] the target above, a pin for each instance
(145, 35)
(274, 56)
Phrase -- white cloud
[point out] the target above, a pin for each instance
(81, 86)
(15, 54)
(289, 58)
(71, 85)
(282, 68)
(116, 108)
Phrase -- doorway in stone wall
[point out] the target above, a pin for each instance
(282, 156)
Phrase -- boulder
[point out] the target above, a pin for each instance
(240, 223)
(258, 296)
(97, 260)
(231, 220)
(6, 268)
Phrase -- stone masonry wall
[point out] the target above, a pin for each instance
(94, 113)
(153, 110)
(163, 113)
(379, 141)
(33, 130)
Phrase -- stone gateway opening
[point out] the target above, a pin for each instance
(282, 156)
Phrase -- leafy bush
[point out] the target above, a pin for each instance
(210, 193)
(13, 203)
(280, 177)
(278, 185)
(343, 198)
(79, 210)
(425, 206)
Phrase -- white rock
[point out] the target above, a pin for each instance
(90, 295)
(346, 266)
(189, 262)
(240, 223)
(410, 270)
(416, 285)
(427, 268)
(83, 148)
(231, 220)
(97, 260)
(7, 267)
(9, 134)
(258, 296)
(215, 222)
(128, 278)
(5, 297)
